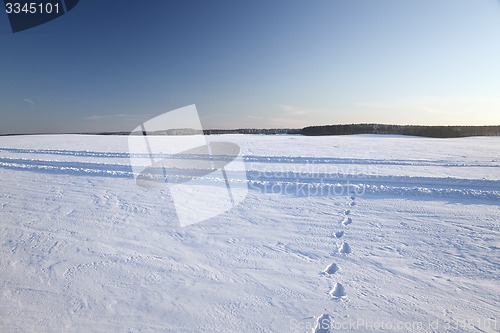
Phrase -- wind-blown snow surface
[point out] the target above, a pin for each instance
(361, 233)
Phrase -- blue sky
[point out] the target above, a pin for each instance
(111, 65)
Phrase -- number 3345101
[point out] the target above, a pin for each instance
(31, 8)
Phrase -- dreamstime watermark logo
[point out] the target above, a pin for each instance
(205, 178)
(309, 180)
(298, 188)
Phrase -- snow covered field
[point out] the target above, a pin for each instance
(365, 233)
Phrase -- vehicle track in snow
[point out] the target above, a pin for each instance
(290, 183)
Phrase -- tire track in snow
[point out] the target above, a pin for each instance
(69, 168)
(259, 158)
(290, 183)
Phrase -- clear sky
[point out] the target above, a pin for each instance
(111, 64)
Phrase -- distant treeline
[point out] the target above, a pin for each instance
(413, 130)
(427, 131)
(190, 131)
(267, 131)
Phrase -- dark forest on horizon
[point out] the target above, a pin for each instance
(409, 130)
(452, 131)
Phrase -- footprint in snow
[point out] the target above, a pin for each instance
(347, 221)
(338, 291)
(352, 203)
(347, 212)
(339, 234)
(331, 269)
(344, 248)
(323, 324)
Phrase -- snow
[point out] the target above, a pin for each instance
(323, 324)
(339, 233)
(344, 248)
(83, 248)
(338, 291)
(331, 269)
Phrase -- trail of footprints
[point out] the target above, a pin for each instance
(337, 292)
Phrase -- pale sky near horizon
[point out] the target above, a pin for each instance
(111, 65)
